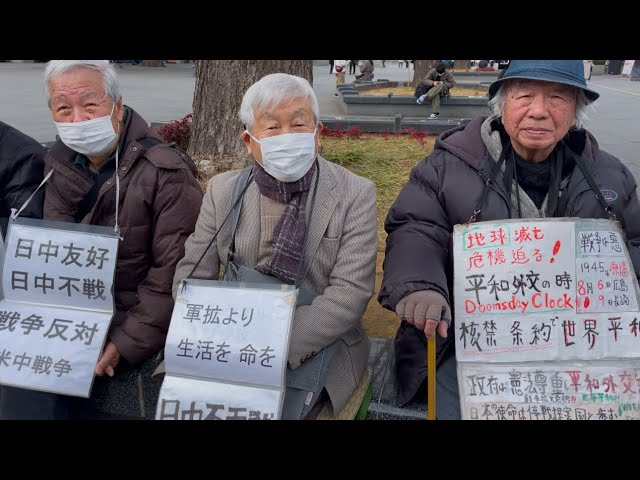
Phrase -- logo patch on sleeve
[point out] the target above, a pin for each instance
(609, 195)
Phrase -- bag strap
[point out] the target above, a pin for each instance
(240, 195)
(239, 189)
(582, 165)
(487, 186)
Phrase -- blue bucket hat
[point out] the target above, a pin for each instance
(568, 72)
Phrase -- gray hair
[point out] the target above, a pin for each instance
(275, 90)
(107, 72)
(583, 104)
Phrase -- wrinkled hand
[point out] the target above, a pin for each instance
(426, 310)
(108, 360)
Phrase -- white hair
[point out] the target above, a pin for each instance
(275, 90)
(583, 104)
(107, 72)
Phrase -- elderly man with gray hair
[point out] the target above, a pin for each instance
(294, 218)
(532, 158)
(110, 168)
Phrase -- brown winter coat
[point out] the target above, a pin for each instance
(433, 75)
(159, 203)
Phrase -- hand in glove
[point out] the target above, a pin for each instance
(426, 310)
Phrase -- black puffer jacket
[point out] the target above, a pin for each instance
(443, 191)
(21, 167)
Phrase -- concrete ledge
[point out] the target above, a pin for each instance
(131, 394)
(358, 87)
(393, 124)
(383, 404)
(472, 73)
(433, 126)
(369, 125)
(411, 100)
(453, 107)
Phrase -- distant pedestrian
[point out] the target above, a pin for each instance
(440, 81)
(341, 70)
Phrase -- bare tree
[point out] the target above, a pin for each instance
(461, 65)
(215, 143)
(422, 68)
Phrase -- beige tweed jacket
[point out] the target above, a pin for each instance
(340, 258)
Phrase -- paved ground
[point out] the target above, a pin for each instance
(616, 119)
(163, 94)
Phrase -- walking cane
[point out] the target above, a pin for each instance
(431, 378)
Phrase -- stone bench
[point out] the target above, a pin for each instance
(383, 83)
(392, 123)
(475, 75)
(383, 404)
(132, 393)
(450, 106)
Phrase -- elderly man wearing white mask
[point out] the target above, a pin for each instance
(303, 221)
(109, 168)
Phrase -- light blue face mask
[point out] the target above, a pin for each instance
(289, 156)
(93, 137)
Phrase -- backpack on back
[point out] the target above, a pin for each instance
(421, 89)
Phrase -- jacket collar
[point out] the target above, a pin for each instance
(61, 158)
(482, 137)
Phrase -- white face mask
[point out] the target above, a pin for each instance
(289, 156)
(93, 137)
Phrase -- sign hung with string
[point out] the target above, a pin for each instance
(226, 351)
(546, 320)
(57, 304)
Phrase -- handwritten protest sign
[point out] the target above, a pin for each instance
(558, 291)
(57, 304)
(541, 391)
(227, 345)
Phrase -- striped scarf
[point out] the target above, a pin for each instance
(289, 233)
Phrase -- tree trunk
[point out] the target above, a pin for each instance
(215, 144)
(461, 65)
(422, 68)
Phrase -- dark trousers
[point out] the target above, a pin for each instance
(21, 404)
(120, 396)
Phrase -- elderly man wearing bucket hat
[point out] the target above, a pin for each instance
(532, 158)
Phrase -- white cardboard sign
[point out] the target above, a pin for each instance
(227, 345)
(554, 290)
(58, 303)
